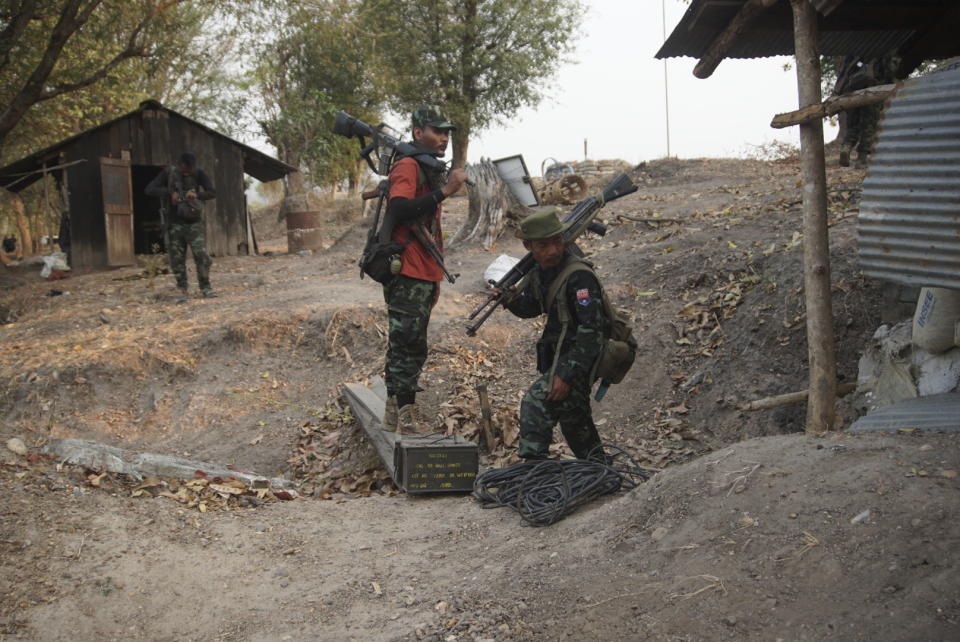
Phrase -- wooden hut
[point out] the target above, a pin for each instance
(101, 174)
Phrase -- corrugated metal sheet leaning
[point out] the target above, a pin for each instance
(909, 223)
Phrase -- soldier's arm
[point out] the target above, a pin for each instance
(158, 186)
(206, 191)
(583, 298)
(404, 204)
(524, 305)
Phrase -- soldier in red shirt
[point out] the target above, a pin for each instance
(416, 192)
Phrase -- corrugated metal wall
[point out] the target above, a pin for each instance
(909, 224)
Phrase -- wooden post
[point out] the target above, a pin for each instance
(816, 243)
(724, 41)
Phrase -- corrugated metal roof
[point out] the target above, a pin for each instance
(936, 412)
(909, 222)
(865, 28)
(763, 43)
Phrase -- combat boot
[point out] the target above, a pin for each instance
(409, 421)
(390, 414)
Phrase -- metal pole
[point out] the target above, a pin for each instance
(816, 243)
(666, 91)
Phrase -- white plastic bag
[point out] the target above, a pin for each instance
(55, 261)
(500, 266)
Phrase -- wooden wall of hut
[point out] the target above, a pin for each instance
(154, 139)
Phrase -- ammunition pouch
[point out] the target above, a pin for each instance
(189, 211)
(545, 353)
(619, 350)
(376, 259)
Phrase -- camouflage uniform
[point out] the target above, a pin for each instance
(861, 122)
(192, 234)
(579, 351)
(414, 195)
(409, 303)
(183, 232)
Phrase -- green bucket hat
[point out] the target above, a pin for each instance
(541, 225)
(430, 115)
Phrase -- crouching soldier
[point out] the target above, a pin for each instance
(566, 289)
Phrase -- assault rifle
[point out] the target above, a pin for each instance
(580, 220)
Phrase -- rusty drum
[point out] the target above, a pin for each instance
(304, 230)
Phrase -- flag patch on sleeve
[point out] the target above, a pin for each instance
(583, 296)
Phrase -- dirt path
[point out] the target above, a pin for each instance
(751, 532)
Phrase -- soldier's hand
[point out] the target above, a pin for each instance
(558, 390)
(510, 290)
(191, 195)
(455, 181)
(174, 197)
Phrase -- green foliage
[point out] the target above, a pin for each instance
(482, 60)
(115, 54)
(317, 64)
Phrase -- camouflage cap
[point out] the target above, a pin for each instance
(430, 115)
(541, 224)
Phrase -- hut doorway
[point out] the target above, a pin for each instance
(147, 228)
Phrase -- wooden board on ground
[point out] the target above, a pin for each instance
(434, 463)
(367, 405)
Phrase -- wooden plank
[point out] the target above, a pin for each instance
(433, 463)
(367, 405)
(834, 105)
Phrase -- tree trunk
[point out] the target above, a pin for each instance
(491, 206)
(25, 246)
(461, 142)
(816, 243)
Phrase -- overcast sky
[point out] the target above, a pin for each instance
(614, 97)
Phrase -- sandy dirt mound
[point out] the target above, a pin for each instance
(791, 537)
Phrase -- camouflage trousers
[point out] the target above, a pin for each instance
(181, 235)
(409, 303)
(538, 417)
(861, 128)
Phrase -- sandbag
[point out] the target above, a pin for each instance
(935, 320)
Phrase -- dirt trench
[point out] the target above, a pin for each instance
(739, 537)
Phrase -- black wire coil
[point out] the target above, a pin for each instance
(545, 491)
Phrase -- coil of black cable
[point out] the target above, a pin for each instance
(545, 491)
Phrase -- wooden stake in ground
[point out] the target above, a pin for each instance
(816, 243)
(486, 417)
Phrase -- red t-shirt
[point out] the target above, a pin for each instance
(417, 263)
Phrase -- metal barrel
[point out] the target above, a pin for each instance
(305, 229)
